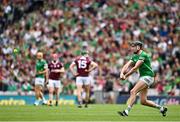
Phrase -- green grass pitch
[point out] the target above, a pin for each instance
(105, 112)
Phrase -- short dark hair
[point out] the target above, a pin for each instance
(84, 52)
(136, 43)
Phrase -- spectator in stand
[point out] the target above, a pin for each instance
(105, 25)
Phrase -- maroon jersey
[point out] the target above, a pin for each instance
(54, 66)
(82, 64)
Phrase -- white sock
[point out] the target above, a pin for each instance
(128, 108)
(126, 111)
(161, 108)
(43, 99)
(37, 100)
(158, 106)
(80, 102)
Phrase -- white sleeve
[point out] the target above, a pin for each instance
(73, 62)
(45, 66)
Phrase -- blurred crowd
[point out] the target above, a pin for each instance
(104, 27)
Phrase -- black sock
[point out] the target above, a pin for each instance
(56, 102)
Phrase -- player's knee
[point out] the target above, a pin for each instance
(133, 92)
(37, 90)
(51, 91)
(143, 101)
(38, 93)
(56, 92)
(87, 90)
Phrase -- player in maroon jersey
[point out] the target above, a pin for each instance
(84, 66)
(56, 68)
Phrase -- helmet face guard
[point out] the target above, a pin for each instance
(136, 43)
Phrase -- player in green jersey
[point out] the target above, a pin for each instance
(140, 60)
(41, 75)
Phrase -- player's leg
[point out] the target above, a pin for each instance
(37, 91)
(144, 101)
(57, 95)
(42, 95)
(41, 84)
(57, 91)
(51, 90)
(79, 84)
(137, 88)
(87, 91)
(37, 94)
(79, 91)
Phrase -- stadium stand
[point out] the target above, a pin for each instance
(103, 26)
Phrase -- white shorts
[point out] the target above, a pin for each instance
(147, 79)
(54, 83)
(39, 81)
(82, 80)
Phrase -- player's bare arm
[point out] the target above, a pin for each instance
(72, 69)
(62, 70)
(92, 66)
(46, 75)
(124, 69)
(133, 69)
(41, 72)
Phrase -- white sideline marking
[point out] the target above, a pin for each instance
(90, 121)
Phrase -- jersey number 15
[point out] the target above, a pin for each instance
(82, 64)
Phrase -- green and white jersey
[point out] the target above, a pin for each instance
(41, 65)
(145, 69)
